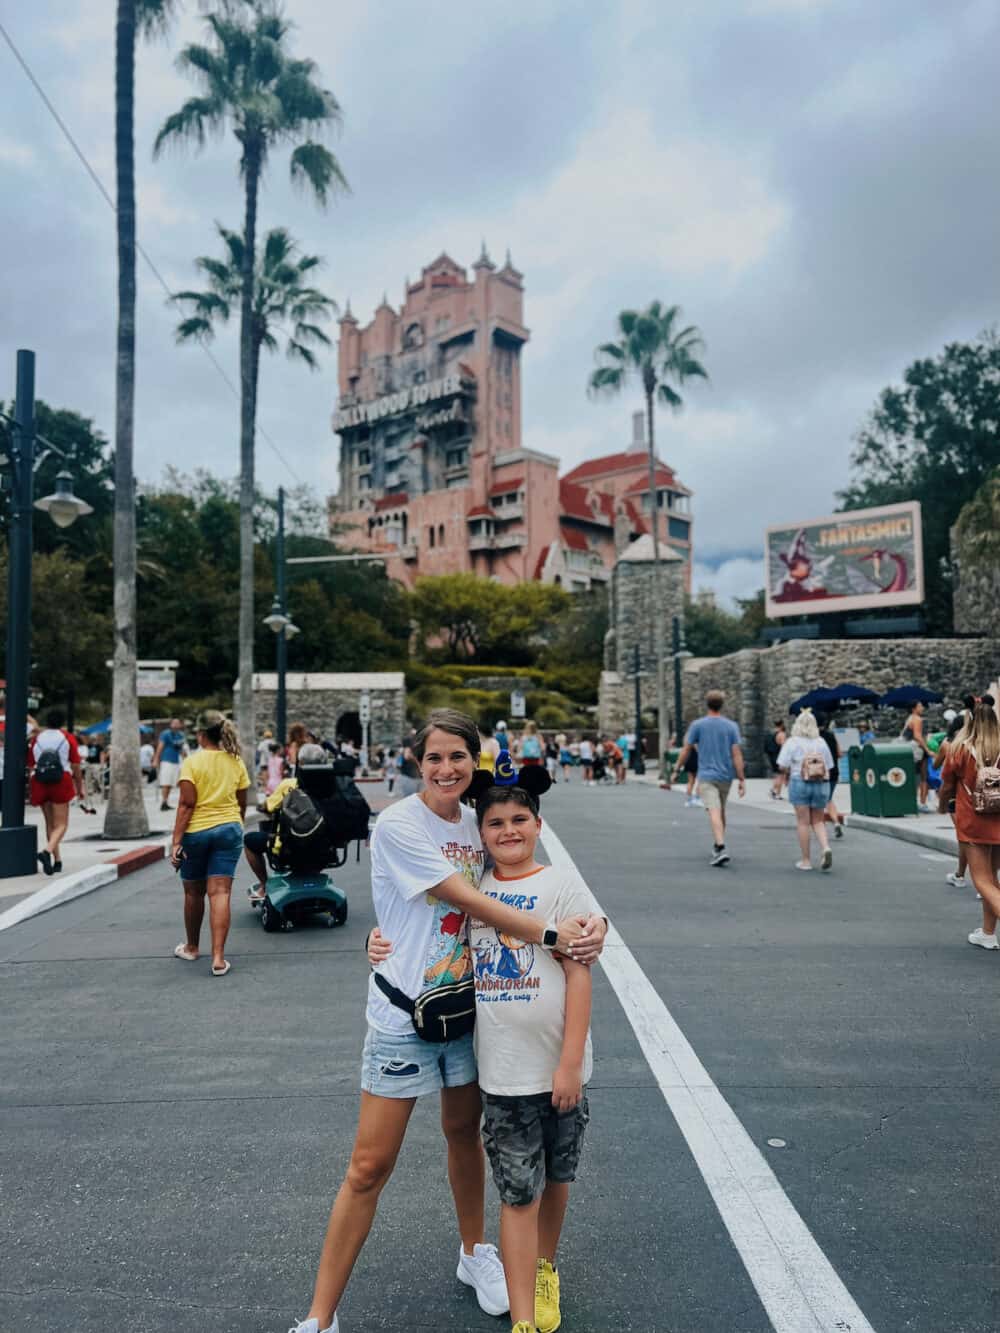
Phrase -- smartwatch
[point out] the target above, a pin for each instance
(550, 936)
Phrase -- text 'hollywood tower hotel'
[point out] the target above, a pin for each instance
(432, 469)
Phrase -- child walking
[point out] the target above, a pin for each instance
(533, 1049)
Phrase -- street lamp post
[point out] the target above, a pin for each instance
(638, 763)
(680, 654)
(278, 621)
(18, 841)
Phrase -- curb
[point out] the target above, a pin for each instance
(67, 887)
(938, 840)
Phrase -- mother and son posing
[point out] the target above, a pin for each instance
(526, 934)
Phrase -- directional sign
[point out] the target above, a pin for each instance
(517, 704)
(365, 707)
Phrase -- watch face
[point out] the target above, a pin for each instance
(550, 938)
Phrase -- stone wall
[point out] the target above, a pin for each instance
(760, 683)
(322, 709)
(975, 562)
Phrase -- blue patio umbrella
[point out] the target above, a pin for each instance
(831, 698)
(103, 728)
(905, 696)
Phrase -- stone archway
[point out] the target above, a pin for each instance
(349, 728)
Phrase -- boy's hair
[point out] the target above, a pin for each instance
(455, 724)
(714, 700)
(505, 796)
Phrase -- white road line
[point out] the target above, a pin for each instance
(795, 1281)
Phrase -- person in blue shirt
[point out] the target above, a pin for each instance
(717, 741)
(170, 750)
(867, 732)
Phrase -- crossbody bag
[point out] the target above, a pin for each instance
(443, 1013)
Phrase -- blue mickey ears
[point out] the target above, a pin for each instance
(504, 774)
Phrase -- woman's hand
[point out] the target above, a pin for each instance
(379, 948)
(587, 948)
(176, 854)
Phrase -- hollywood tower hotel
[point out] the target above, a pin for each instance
(432, 469)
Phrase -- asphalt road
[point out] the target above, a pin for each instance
(171, 1142)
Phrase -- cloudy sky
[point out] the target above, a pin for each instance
(815, 182)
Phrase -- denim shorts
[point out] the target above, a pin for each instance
(398, 1065)
(816, 795)
(211, 851)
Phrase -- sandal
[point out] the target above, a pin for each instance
(221, 971)
(181, 951)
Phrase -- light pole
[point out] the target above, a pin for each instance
(18, 841)
(638, 763)
(278, 621)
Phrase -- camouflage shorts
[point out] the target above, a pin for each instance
(528, 1142)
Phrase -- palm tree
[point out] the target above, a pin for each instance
(251, 83)
(283, 302)
(126, 813)
(652, 347)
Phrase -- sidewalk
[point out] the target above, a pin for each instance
(85, 854)
(934, 830)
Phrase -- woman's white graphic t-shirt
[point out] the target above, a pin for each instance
(521, 988)
(412, 850)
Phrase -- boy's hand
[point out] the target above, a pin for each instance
(567, 1087)
(379, 948)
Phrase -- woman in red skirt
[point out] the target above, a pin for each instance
(976, 746)
(56, 777)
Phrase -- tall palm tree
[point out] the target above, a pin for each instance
(126, 813)
(283, 301)
(251, 83)
(653, 348)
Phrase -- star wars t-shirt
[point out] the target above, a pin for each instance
(412, 850)
(521, 988)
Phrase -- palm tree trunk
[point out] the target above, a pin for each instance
(126, 813)
(248, 410)
(659, 636)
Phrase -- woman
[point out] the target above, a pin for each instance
(208, 833)
(956, 725)
(976, 747)
(489, 750)
(552, 758)
(807, 761)
(772, 748)
(587, 760)
(832, 815)
(565, 755)
(297, 735)
(427, 860)
(913, 731)
(531, 746)
(56, 778)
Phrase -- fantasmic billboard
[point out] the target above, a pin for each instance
(854, 561)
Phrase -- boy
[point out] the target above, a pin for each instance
(532, 1040)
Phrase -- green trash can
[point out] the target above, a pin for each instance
(859, 792)
(891, 779)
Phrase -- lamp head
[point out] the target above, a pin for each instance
(276, 620)
(62, 506)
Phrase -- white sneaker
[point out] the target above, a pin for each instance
(720, 858)
(803, 865)
(956, 881)
(980, 937)
(689, 803)
(483, 1271)
(312, 1326)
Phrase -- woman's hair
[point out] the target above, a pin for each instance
(455, 724)
(956, 725)
(55, 718)
(505, 796)
(219, 730)
(981, 735)
(530, 729)
(805, 726)
(297, 733)
(312, 754)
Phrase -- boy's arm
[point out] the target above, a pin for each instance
(567, 1086)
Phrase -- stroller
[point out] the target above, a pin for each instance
(310, 834)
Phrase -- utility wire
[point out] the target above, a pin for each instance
(111, 204)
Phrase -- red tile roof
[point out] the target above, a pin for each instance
(480, 511)
(574, 503)
(572, 539)
(392, 501)
(664, 477)
(639, 524)
(599, 467)
(540, 565)
(502, 487)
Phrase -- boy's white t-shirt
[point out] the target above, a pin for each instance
(412, 849)
(521, 988)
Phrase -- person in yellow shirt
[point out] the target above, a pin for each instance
(208, 833)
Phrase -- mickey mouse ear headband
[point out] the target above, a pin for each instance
(532, 778)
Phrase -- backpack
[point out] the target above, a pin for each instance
(986, 796)
(814, 768)
(48, 768)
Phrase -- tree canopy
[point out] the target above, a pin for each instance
(934, 438)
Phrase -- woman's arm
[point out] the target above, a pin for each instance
(241, 801)
(567, 1085)
(456, 891)
(185, 809)
(77, 771)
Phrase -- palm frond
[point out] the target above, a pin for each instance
(152, 17)
(194, 327)
(606, 380)
(196, 119)
(314, 165)
(296, 351)
(669, 396)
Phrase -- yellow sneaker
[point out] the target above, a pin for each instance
(522, 1326)
(547, 1316)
